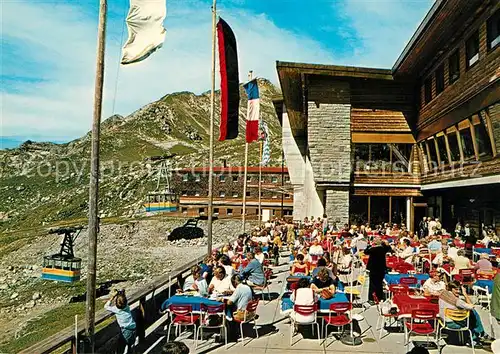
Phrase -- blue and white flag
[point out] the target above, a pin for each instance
(266, 150)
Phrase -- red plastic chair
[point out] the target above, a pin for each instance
(465, 276)
(249, 317)
(422, 322)
(267, 276)
(396, 289)
(304, 310)
(404, 268)
(208, 312)
(337, 316)
(183, 317)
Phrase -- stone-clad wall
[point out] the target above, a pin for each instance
(337, 206)
(329, 138)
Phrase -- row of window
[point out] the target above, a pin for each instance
(382, 157)
(230, 211)
(471, 58)
(222, 178)
(222, 194)
(465, 141)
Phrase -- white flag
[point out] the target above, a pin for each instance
(145, 29)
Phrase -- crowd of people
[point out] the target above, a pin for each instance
(329, 255)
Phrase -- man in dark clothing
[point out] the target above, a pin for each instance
(377, 267)
(422, 227)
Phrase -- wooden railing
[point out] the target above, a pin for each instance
(145, 303)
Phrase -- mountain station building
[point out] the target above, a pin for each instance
(420, 139)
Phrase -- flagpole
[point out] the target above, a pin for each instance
(250, 74)
(94, 180)
(212, 120)
(260, 183)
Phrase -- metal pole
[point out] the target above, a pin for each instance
(212, 119)
(94, 179)
(282, 182)
(245, 176)
(260, 183)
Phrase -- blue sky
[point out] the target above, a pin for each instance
(48, 52)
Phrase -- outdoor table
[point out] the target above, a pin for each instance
(194, 301)
(392, 279)
(296, 277)
(408, 303)
(323, 304)
(485, 284)
(483, 250)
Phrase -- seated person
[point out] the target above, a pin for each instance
(407, 252)
(316, 249)
(441, 258)
(303, 295)
(225, 262)
(240, 298)
(259, 255)
(253, 272)
(461, 262)
(221, 282)
(322, 263)
(455, 297)
(206, 268)
(323, 284)
(344, 266)
(434, 285)
(307, 256)
(299, 267)
(483, 264)
(435, 245)
(196, 282)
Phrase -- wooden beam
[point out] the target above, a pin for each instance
(474, 142)
(489, 127)
(459, 139)
(448, 151)
(387, 138)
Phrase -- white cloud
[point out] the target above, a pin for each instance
(61, 40)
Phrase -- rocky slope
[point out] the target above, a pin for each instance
(43, 183)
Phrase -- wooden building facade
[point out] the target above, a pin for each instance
(379, 145)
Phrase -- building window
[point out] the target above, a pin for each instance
(248, 194)
(184, 193)
(235, 178)
(427, 90)
(454, 67)
(287, 196)
(197, 177)
(472, 50)
(451, 134)
(197, 194)
(362, 156)
(184, 210)
(229, 211)
(201, 211)
(380, 157)
(249, 178)
(262, 194)
(443, 151)
(493, 26)
(439, 79)
(287, 179)
(466, 139)
(274, 179)
(222, 194)
(482, 138)
(235, 194)
(275, 196)
(222, 178)
(287, 212)
(262, 179)
(431, 148)
(216, 211)
(185, 177)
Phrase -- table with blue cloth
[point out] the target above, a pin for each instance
(323, 304)
(393, 279)
(194, 301)
(483, 250)
(485, 284)
(296, 277)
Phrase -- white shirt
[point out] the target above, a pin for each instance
(229, 270)
(452, 252)
(432, 287)
(303, 296)
(407, 254)
(223, 285)
(316, 250)
(260, 257)
(346, 261)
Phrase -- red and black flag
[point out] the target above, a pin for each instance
(229, 81)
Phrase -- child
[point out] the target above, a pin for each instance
(118, 305)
